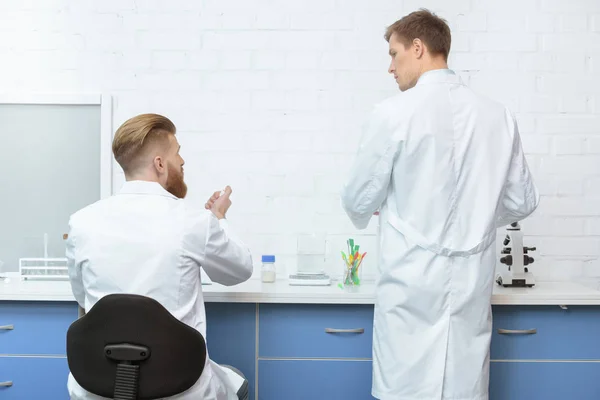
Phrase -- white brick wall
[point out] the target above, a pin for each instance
(269, 98)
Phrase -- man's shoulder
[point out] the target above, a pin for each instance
(195, 215)
(180, 209)
(394, 109)
(483, 100)
(404, 101)
(422, 95)
(192, 211)
(89, 210)
(94, 211)
(392, 102)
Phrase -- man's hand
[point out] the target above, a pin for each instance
(219, 203)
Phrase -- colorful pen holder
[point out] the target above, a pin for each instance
(352, 272)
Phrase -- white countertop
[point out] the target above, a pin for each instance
(254, 291)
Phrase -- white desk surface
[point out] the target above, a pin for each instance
(254, 291)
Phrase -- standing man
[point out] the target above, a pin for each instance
(445, 168)
(146, 240)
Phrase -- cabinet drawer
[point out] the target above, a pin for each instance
(570, 334)
(34, 378)
(38, 327)
(315, 331)
(544, 380)
(231, 337)
(314, 379)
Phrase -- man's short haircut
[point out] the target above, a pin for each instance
(138, 134)
(425, 25)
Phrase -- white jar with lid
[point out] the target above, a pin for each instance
(268, 272)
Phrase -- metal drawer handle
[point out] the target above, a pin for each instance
(7, 327)
(331, 330)
(517, 332)
(6, 384)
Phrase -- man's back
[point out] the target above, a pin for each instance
(134, 243)
(445, 168)
(146, 241)
(455, 149)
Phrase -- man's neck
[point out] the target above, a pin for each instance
(141, 177)
(435, 65)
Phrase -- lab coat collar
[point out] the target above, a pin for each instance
(145, 187)
(439, 76)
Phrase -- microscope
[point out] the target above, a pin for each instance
(516, 258)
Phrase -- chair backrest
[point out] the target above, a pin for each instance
(125, 331)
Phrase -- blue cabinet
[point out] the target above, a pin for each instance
(314, 379)
(540, 352)
(34, 378)
(38, 327)
(34, 351)
(546, 333)
(545, 380)
(298, 351)
(315, 331)
(297, 358)
(231, 337)
(315, 351)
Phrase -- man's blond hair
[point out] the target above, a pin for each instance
(138, 134)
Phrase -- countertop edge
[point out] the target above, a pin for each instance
(340, 299)
(555, 301)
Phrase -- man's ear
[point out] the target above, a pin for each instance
(418, 48)
(159, 164)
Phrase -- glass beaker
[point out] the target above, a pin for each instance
(310, 249)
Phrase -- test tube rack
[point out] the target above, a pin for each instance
(43, 269)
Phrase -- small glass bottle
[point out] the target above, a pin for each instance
(268, 273)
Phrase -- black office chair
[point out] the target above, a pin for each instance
(129, 347)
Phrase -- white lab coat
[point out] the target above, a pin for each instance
(146, 241)
(445, 168)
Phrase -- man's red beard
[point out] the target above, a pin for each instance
(175, 184)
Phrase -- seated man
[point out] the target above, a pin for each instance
(146, 240)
